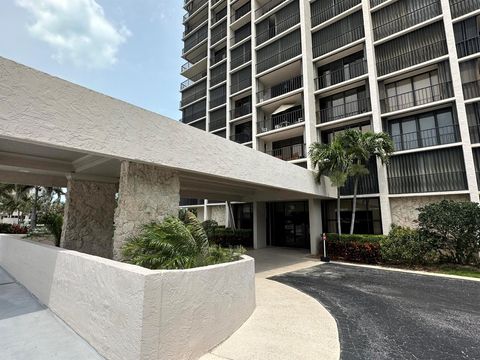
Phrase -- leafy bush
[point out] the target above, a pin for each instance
(12, 229)
(407, 247)
(210, 226)
(454, 230)
(228, 237)
(361, 238)
(53, 221)
(176, 244)
(364, 252)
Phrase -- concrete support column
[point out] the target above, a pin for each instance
(259, 225)
(88, 217)
(316, 227)
(146, 193)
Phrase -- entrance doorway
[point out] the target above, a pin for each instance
(288, 224)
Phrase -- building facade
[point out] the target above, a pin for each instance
(277, 76)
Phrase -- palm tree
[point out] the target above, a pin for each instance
(15, 198)
(333, 161)
(361, 147)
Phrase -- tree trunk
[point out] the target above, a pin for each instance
(33, 222)
(354, 205)
(339, 222)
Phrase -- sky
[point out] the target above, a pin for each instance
(127, 49)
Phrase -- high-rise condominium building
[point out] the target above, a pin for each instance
(277, 76)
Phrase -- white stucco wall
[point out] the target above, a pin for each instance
(128, 312)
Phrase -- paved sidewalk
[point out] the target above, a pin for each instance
(287, 324)
(30, 331)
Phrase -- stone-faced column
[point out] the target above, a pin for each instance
(146, 193)
(88, 218)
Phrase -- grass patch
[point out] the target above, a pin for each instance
(458, 270)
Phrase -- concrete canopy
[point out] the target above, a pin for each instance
(51, 129)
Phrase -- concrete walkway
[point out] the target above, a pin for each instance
(287, 324)
(28, 330)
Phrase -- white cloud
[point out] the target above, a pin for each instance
(77, 30)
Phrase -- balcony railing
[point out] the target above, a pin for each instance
(241, 110)
(424, 138)
(474, 134)
(367, 184)
(192, 80)
(241, 34)
(279, 28)
(200, 93)
(218, 78)
(374, 3)
(216, 124)
(411, 58)
(195, 60)
(219, 16)
(417, 97)
(241, 138)
(338, 41)
(242, 59)
(462, 7)
(186, 119)
(267, 7)
(279, 57)
(279, 121)
(343, 111)
(189, 29)
(280, 89)
(432, 182)
(239, 86)
(241, 11)
(219, 33)
(332, 11)
(416, 16)
(468, 47)
(194, 6)
(195, 39)
(347, 72)
(217, 101)
(288, 153)
(471, 89)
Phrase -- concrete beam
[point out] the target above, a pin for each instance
(26, 178)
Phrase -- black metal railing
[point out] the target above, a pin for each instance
(219, 33)
(193, 7)
(218, 100)
(367, 184)
(242, 137)
(192, 62)
(468, 47)
(189, 29)
(411, 58)
(192, 80)
(471, 89)
(218, 78)
(332, 11)
(429, 137)
(195, 39)
(241, 110)
(339, 41)
(343, 111)
(219, 16)
(416, 16)
(279, 121)
(241, 34)
(186, 119)
(431, 182)
(462, 7)
(474, 134)
(374, 3)
(240, 85)
(280, 89)
(267, 7)
(198, 94)
(417, 97)
(279, 57)
(216, 124)
(278, 28)
(345, 73)
(241, 11)
(240, 60)
(288, 153)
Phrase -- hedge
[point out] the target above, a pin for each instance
(362, 248)
(12, 229)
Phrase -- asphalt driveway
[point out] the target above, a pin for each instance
(395, 315)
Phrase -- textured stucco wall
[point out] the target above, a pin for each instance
(404, 209)
(146, 193)
(88, 217)
(128, 312)
(217, 213)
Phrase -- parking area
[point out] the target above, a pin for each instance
(395, 315)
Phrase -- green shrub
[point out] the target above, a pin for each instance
(12, 229)
(407, 247)
(176, 244)
(364, 248)
(228, 237)
(454, 230)
(210, 226)
(53, 221)
(361, 238)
